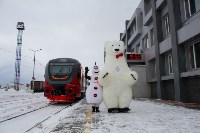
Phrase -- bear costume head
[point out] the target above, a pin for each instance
(117, 48)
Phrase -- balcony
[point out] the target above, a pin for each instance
(167, 77)
(148, 18)
(137, 21)
(191, 73)
(135, 36)
(150, 53)
(190, 29)
(130, 23)
(160, 4)
(123, 36)
(165, 45)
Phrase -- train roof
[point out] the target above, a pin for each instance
(65, 60)
(77, 65)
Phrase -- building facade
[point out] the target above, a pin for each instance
(167, 34)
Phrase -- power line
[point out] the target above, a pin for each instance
(5, 50)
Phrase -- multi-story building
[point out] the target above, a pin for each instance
(167, 34)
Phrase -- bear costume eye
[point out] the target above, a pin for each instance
(119, 45)
(112, 45)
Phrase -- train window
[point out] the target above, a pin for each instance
(61, 69)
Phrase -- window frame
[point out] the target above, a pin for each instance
(192, 59)
(134, 26)
(170, 64)
(152, 68)
(146, 44)
(188, 11)
(138, 49)
(152, 37)
(166, 24)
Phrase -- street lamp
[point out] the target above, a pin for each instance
(33, 78)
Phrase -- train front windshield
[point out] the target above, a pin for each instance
(61, 70)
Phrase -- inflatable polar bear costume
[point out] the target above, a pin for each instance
(116, 78)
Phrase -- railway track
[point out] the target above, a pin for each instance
(26, 113)
(39, 123)
(40, 108)
(16, 100)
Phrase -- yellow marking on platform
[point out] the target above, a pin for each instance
(88, 120)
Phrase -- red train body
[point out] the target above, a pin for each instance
(63, 80)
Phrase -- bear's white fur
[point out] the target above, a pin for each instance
(116, 77)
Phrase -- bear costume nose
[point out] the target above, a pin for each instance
(116, 49)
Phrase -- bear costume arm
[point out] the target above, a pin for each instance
(103, 78)
(131, 77)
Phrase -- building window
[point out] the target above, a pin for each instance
(130, 33)
(166, 25)
(191, 6)
(146, 42)
(152, 68)
(170, 64)
(194, 55)
(133, 50)
(152, 37)
(147, 6)
(141, 18)
(138, 49)
(132, 28)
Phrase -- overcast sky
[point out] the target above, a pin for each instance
(61, 28)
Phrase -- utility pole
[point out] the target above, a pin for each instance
(20, 27)
(33, 78)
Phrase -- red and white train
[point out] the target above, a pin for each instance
(64, 80)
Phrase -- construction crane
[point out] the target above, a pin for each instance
(20, 27)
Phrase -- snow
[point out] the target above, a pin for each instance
(145, 116)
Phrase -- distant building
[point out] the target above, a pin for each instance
(167, 34)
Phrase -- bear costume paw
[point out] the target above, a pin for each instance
(124, 110)
(113, 110)
(118, 110)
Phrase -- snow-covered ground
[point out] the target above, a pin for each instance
(22, 110)
(145, 116)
